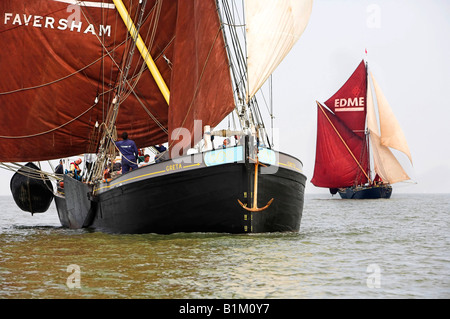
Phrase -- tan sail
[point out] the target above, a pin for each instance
(372, 122)
(273, 27)
(391, 132)
(386, 164)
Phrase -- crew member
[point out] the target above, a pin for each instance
(129, 153)
(59, 169)
(75, 169)
(146, 160)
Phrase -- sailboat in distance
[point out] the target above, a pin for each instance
(78, 74)
(353, 156)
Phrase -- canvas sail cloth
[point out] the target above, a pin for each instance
(386, 164)
(336, 164)
(201, 83)
(272, 28)
(60, 73)
(349, 102)
(342, 158)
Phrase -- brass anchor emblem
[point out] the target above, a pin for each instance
(255, 192)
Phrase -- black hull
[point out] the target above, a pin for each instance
(366, 192)
(195, 199)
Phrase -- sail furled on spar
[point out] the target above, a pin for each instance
(64, 64)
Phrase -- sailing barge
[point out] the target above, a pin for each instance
(349, 142)
(153, 69)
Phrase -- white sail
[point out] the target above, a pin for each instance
(391, 132)
(273, 27)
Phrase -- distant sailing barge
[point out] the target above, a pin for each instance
(152, 68)
(349, 141)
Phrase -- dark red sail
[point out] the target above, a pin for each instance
(341, 155)
(61, 65)
(349, 103)
(201, 84)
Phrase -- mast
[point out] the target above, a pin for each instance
(367, 129)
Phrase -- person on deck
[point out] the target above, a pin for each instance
(117, 166)
(75, 169)
(59, 169)
(129, 153)
(146, 160)
(226, 143)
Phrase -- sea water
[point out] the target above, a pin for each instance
(395, 248)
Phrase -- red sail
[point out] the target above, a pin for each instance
(201, 88)
(349, 103)
(61, 66)
(335, 165)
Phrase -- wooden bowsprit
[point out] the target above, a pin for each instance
(255, 191)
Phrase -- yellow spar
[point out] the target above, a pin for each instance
(142, 49)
